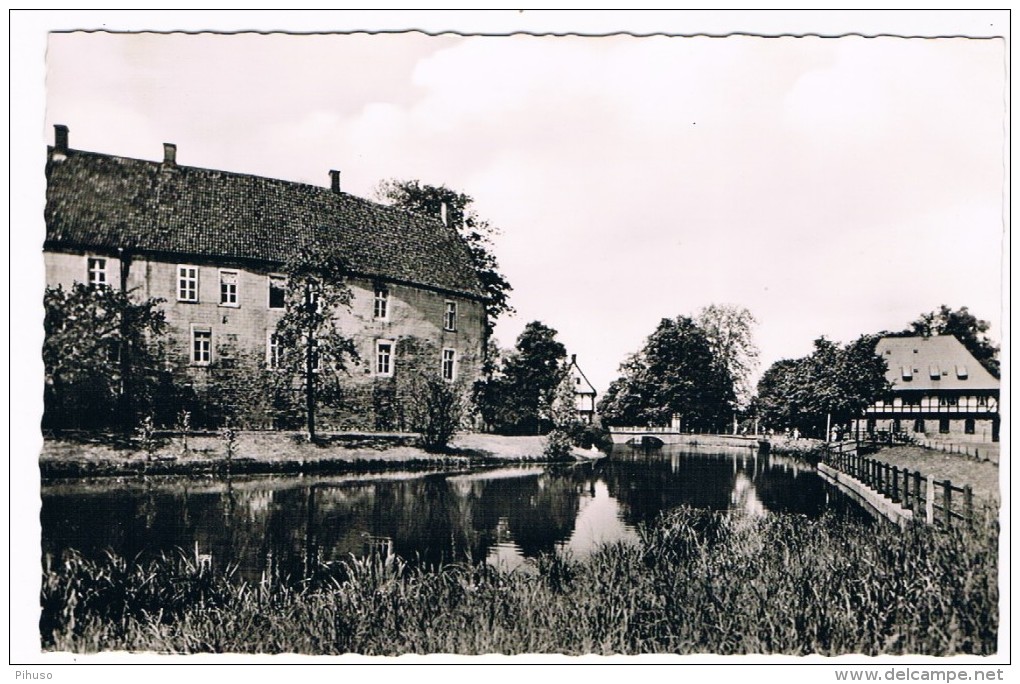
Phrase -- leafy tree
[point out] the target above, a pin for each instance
(312, 347)
(962, 324)
(675, 373)
(531, 373)
(517, 398)
(476, 232)
(833, 384)
(729, 330)
(103, 355)
(780, 399)
(563, 415)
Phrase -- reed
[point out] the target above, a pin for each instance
(698, 582)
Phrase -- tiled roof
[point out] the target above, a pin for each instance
(101, 202)
(925, 358)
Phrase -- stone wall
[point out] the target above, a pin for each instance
(415, 324)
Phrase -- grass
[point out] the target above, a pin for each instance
(982, 476)
(698, 582)
(93, 455)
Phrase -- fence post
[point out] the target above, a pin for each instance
(929, 509)
(895, 484)
(917, 491)
(947, 501)
(906, 490)
(968, 504)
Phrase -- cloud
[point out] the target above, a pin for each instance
(828, 185)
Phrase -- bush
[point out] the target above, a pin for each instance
(434, 411)
(558, 445)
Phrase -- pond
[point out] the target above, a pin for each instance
(288, 524)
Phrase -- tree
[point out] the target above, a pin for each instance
(833, 384)
(477, 234)
(518, 398)
(102, 353)
(729, 330)
(675, 373)
(312, 347)
(563, 415)
(962, 324)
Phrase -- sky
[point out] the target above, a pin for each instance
(832, 186)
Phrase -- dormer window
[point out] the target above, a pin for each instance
(933, 371)
(961, 372)
(907, 373)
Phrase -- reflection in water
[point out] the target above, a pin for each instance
(289, 525)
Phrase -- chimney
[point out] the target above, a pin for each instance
(573, 359)
(334, 177)
(442, 212)
(60, 135)
(169, 154)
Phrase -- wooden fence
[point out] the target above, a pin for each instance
(937, 502)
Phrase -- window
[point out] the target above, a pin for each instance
(897, 426)
(228, 288)
(449, 364)
(187, 283)
(943, 426)
(968, 426)
(382, 301)
(272, 350)
(933, 371)
(919, 425)
(96, 271)
(907, 373)
(450, 319)
(982, 401)
(201, 346)
(961, 372)
(384, 357)
(277, 292)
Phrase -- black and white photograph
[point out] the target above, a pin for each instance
(512, 337)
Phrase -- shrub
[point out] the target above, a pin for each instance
(434, 411)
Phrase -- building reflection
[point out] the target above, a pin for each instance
(287, 526)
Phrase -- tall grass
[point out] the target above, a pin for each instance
(698, 582)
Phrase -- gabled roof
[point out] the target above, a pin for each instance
(101, 202)
(914, 363)
(583, 387)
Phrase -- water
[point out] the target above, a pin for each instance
(505, 515)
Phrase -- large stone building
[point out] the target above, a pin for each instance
(212, 245)
(939, 391)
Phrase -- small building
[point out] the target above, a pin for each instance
(939, 391)
(584, 393)
(212, 244)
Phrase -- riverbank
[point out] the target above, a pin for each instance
(697, 582)
(982, 476)
(276, 452)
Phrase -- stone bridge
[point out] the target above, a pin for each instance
(658, 436)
